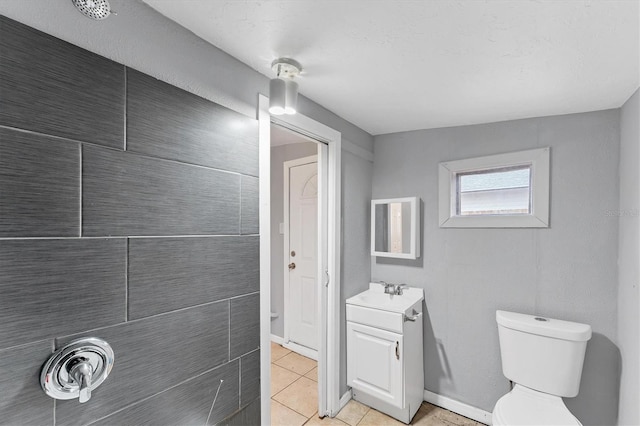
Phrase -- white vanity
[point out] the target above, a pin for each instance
(384, 349)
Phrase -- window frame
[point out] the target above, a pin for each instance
(539, 161)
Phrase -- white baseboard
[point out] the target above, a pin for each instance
(277, 339)
(302, 350)
(458, 407)
(345, 399)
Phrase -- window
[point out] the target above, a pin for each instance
(497, 191)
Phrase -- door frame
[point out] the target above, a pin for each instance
(287, 165)
(329, 309)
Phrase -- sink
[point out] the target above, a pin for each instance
(376, 298)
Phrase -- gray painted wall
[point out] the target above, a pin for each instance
(568, 271)
(151, 241)
(280, 154)
(628, 261)
(356, 227)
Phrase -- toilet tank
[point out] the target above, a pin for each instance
(542, 353)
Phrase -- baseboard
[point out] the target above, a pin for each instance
(277, 339)
(458, 407)
(302, 350)
(345, 399)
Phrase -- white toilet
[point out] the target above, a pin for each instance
(543, 357)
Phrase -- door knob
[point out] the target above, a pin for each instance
(292, 266)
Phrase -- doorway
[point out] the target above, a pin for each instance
(300, 232)
(328, 252)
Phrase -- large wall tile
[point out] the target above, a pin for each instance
(249, 415)
(168, 122)
(245, 324)
(249, 207)
(151, 355)
(50, 86)
(125, 194)
(40, 186)
(22, 401)
(171, 273)
(186, 404)
(54, 287)
(250, 377)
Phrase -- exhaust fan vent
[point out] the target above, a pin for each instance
(94, 9)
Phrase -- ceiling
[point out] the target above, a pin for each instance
(396, 65)
(282, 136)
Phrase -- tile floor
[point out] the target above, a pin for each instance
(294, 399)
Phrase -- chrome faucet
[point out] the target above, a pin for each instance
(388, 287)
(399, 289)
(394, 289)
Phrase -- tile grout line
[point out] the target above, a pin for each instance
(137, 154)
(126, 284)
(81, 152)
(124, 120)
(107, 237)
(240, 383)
(151, 317)
(240, 209)
(229, 328)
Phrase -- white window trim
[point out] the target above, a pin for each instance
(538, 159)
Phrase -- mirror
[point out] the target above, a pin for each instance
(395, 228)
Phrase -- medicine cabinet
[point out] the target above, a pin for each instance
(395, 228)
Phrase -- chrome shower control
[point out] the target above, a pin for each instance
(76, 369)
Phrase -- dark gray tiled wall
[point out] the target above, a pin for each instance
(245, 325)
(147, 196)
(151, 356)
(53, 87)
(140, 242)
(249, 205)
(196, 396)
(56, 287)
(40, 186)
(22, 401)
(167, 122)
(250, 373)
(248, 416)
(171, 273)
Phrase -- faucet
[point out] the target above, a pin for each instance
(388, 287)
(399, 289)
(394, 289)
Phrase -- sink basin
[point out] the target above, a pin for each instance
(376, 298)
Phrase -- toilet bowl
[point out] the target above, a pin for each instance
(543, 357)
(523, 406)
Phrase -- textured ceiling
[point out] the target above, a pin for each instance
(391, 66)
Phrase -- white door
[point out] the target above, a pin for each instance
(302, 268)
(375, 362)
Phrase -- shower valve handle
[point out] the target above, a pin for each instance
(82, 373)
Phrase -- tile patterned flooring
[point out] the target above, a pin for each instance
(294, 399)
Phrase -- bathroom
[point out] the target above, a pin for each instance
(104, 232)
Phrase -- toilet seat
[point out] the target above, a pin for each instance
(524, 406)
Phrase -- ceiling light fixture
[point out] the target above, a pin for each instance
(283, 91)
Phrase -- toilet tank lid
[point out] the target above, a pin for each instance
(543, 326)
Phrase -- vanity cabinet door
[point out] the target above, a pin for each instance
(375, 362)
